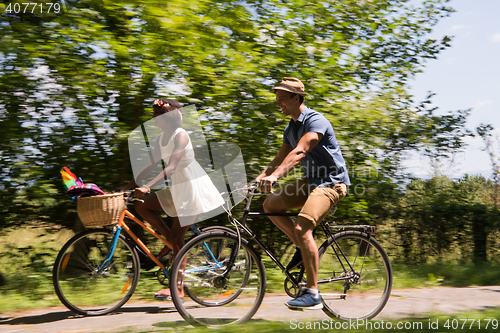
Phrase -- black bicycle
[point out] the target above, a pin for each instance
(354, 276)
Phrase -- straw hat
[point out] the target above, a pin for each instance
(292, 85)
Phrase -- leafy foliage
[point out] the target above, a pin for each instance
(446, 219)
(492, 147)
(86, 78)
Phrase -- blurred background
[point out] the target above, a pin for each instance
(74, 84)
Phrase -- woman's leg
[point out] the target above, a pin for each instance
(147, 209)
(177, 238)
(178, 235)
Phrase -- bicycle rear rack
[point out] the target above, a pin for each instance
(369, 229)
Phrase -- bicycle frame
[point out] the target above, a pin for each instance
(121, 225)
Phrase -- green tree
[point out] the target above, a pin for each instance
(72, 88)
(492, 147)
(446, 219)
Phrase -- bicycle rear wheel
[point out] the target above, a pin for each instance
(85, 283)
(354, 276)
(216, 299)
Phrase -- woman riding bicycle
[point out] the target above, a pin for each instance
(191, 191)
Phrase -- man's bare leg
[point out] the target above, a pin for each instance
(276, 204)
(310, 257)
(311, 298)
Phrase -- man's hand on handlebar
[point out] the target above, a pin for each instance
(266, 183)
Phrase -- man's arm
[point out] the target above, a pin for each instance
(280, 157)
(292, 159)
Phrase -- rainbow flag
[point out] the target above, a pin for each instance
(69, 178)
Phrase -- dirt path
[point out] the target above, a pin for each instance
(161, 314)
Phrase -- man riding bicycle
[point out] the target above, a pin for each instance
(308, 139)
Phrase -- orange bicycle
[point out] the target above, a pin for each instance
(98, 270)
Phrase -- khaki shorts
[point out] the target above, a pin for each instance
(314, 206)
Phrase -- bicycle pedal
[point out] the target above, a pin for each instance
(165, 297)
(314, 307)
(296, 309)
(293, 308)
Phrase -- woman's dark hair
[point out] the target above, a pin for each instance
(172, 107)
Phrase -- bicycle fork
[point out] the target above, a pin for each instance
(111, 249)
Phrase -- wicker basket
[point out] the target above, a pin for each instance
(100, 210)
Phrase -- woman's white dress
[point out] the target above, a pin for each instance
(192, 192)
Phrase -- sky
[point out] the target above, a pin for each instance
(465, 76)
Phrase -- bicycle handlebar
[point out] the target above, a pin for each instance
(129, 196)
(253, 185)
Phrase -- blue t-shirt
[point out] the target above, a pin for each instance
(324, 164)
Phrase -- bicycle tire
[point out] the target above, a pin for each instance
(205, 280)
(217, 228)
(247, 269)
(358, 293)
(79, 284)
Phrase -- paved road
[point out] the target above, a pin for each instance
(161, 314)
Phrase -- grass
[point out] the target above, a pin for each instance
(26, 258)
(27, 255)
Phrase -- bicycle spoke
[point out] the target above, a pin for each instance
(360, 288)
(209, 287)
(83, 285)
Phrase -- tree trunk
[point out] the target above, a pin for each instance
(479, 233)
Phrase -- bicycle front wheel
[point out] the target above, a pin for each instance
(213, 248)
(224, 284)
(86, 282)
(354, 276)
